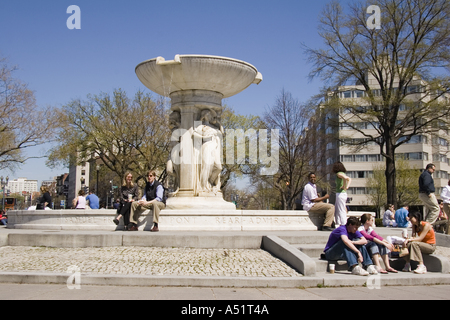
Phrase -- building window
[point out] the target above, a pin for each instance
(415, 139)
(359, 93)
(440, 157)
(357, 190)
(440, 141)
(414, 156)
(361, 158)
(413, 89)
(359, 174)
(441, 175)
(346, 94)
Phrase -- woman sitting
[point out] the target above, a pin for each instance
(3, 218)
(423, 241)
(80, 201)
(129, 192)
(389, 216)
(45, 201)
(376, 245)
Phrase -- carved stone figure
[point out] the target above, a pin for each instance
(208, 137)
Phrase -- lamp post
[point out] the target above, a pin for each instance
(82, 181)
(4, 184)
(96, 186)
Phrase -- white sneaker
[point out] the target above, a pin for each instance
(372, 270)
(421, 269)
(359, 271)
(407, 268)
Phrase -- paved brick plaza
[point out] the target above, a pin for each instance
(146, 261)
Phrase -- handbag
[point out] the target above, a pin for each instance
(403, 252)
(399, 251)
(396, 252)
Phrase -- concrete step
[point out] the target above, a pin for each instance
(307, 237)
(433, 262)
(310, 249)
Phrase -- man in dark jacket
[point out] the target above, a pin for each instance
(153, 200)
(426, 193)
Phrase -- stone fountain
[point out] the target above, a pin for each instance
(196, 85)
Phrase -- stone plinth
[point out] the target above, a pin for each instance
(193, 220)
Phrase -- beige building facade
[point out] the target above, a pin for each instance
(419, 151)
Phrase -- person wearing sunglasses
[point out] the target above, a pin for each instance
(153, 200)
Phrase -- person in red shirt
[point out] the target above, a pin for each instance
(3, 218)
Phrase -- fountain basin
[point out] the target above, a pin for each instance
(224, 75)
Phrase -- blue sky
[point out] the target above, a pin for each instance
(59, 64)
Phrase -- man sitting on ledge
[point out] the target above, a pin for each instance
(312, 203)
(346, 242)
(153, 199)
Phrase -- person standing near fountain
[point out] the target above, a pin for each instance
(342, 184)
(153, 200)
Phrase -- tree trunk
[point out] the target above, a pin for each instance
(391, 187)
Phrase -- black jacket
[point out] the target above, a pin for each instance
(426, 183)
(150, 191)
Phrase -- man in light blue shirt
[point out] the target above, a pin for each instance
(401, 216)
(93, 200)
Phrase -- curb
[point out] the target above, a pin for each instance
(165, 281)
(321, 280)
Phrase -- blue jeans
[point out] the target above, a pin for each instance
(340, 251)
(375, 248)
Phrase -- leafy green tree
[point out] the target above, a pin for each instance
(124, 134)
(406, 181)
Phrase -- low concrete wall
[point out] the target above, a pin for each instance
(176, 220)
(171, 220)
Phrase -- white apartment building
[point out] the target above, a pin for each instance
(419, 151)
(22, 185)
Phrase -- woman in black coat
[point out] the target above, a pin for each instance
(45, 200)
(129, 192)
